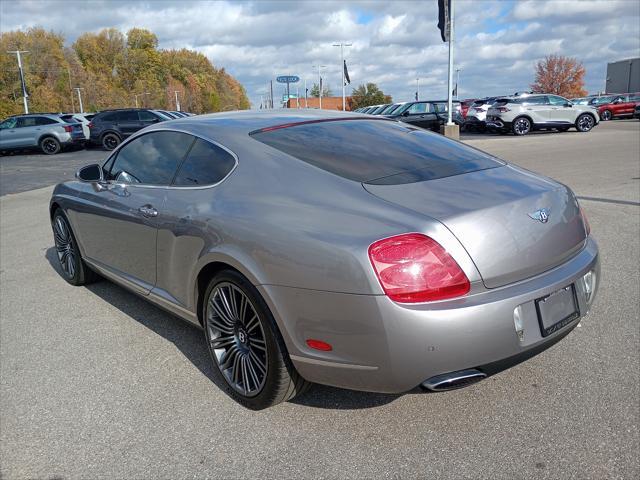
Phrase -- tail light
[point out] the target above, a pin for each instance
(415, 268)
(503, 109)
(68, 128)
(587, 227)
(91, 125)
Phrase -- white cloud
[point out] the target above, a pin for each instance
(497, 42)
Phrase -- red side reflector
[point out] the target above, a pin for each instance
(319, 345)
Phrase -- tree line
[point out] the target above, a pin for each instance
(112, 69)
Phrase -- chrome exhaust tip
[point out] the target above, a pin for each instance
(453, 380)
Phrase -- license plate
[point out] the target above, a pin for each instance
(557, 310)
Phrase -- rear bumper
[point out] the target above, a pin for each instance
(382, 346)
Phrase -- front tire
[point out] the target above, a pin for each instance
(110, 141)
(247, 350)
(606, 115)
(50, 146)
(585, 122)
(521, 126)
(70, 261)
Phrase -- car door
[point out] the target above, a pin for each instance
(562, 110)
(26, 132)
(117, 225)
(128, 122)
(8, 134)
(148, 118)
(420, 114)
(538, 108)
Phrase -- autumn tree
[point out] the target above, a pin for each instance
(315, 91)
(560, 75)
(367, 95)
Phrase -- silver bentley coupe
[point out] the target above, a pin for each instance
(332, 247)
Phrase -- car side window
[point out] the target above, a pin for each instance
(109, 117)
(634, 98)
(146, 116)
(417, 108)
(556, 100)
(541, 100)
(205, 164)
(128, 116)
(26, 122)
(9, 123)
(150, 159)
(45, 121)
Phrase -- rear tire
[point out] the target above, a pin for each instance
(521, 126)
(74, 270)
(50, 146)
(606, 115)
(110, 141)
(246, 348)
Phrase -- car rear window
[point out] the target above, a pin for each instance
(379, 152)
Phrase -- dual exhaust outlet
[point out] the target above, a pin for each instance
(453, 380)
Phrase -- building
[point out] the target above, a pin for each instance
(623, 76)
(328, 103)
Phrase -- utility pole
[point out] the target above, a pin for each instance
(177, 101)
(139, 95)
(320, 84)
(342, 45)
(77, 89)
(24, 86)
(451, 37)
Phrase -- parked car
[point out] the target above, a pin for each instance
(619, 107)
(370, 109)
(523, 114)
(427, 114)
(477, 114)
(389, 258)
(110, 127)
(378, 111)
(391, 109)
(178, 114)
(636, 111)
(464, 106)
(85, 120)
(48, 132)
(169, 115)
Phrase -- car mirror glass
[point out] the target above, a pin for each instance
(90, 173)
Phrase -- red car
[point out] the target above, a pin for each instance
(464, 106)
(621, 106)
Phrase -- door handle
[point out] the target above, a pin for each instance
(148, 211)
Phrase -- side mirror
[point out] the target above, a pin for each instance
(406, 113)
(568, 104)
(155, 120)
(90, 173)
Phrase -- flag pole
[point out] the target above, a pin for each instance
(451, 28)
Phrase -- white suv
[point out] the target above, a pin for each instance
(524, 113)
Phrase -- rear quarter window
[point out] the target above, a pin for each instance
(379, 152)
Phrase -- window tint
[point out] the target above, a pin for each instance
(206, 164)
(127, 116)
(539, 100)
(26, 122)
(108, 117)
(146, 116)
(46, 121)
(152, 158)
(376, 151)
(417, 108)
(635, 97)
(556, 100)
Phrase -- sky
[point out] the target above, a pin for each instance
(394, 42)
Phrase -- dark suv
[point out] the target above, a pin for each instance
(429, 115)
(110, 127)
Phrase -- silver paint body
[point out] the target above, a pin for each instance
(301, 234)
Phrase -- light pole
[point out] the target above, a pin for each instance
(417, 88)
(449, 102)
(77, 89)
(24, 86)
(342, 45)
(458, 83)
(177, 101)
(139, 95)
(319, 84)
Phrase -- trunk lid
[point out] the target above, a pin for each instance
(490, 212)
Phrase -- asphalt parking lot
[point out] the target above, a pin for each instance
(96, 383)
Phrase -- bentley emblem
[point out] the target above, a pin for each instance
(541, 215)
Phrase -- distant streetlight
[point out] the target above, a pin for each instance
(458, 83)
(320, 83)
(342, 67)
(177, 101)
(139, 95)
(25, 95)
(77, 89)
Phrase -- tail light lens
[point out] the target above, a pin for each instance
(91, 125)
(68, 128)
(587, 227)
(503, 109)
(415, 268)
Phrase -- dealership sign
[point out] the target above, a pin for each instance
(287, 79)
